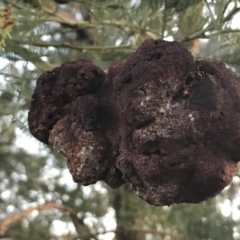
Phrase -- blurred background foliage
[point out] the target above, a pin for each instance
(38, 199)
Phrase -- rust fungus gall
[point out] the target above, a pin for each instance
(164, 123)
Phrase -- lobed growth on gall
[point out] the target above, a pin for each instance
(164, 123)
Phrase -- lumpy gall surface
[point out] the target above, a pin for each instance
(164, 123)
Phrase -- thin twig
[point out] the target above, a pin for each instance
(17, 216)
(164, 20)
(210, 11)
(224, 10)
(199, 34)
(68, 45)
(231, 14)
(222, 32)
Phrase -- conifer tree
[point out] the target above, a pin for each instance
(36, 191)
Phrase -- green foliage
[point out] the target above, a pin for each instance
(45, 34)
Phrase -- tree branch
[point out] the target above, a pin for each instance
(224, 10)
(227, 31)
(231, 14)
(17, 216)
(61, 16)
(210, 11)
(68, 45)
(199, 34)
